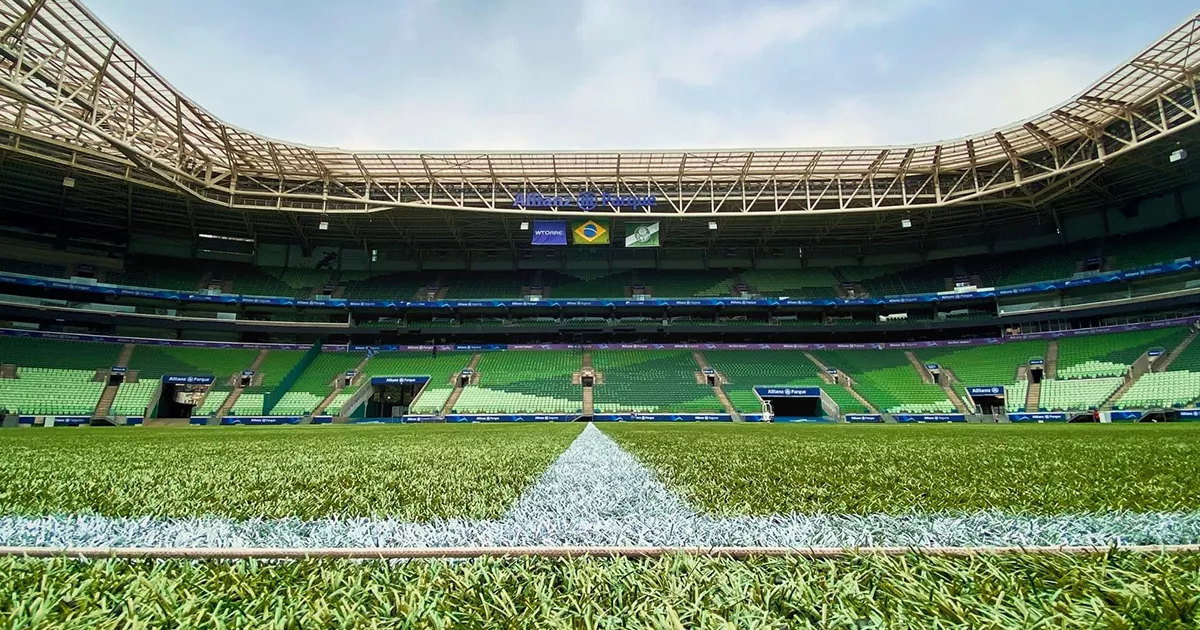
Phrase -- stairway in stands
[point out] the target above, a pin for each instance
(725, 402)
(589, 395)
(1163, 363)
(1051, 367)
(104, 405)
(458, 390)
(1033, 397)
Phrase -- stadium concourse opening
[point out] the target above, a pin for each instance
(795, 404)
(179, 395)
(392, 396)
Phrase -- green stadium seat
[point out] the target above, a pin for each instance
(649, 381)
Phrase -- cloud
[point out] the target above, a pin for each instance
(608, 74)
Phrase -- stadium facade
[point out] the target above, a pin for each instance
(132, 213)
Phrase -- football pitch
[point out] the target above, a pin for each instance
(670, 485)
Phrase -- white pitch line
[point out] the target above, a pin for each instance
(596, 495)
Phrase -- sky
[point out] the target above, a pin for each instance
(631, 74)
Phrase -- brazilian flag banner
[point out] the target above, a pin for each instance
(590, 232)
(641, 235)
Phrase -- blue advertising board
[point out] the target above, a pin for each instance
(1189, 414)
(663, 417)
(910, 418)
(1037, 417)
(541, 417)
(118, 369)
(783, 391)
(173, 379)
(801, 419)
(71, 421)
(864, 418)
(1125, 415)
(549, 233)
(260, 420)
(337, 303)
(399, 380)
(198, 420)
(986, 390)
(322, 419)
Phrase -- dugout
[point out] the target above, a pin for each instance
(988, 400)
(179, 395)
(785, 402)
(392, 396)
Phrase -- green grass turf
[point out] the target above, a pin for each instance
(1035, 469)
(1114, 591)
(405, 472)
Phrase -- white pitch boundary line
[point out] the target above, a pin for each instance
(597, 497)
(419, 553)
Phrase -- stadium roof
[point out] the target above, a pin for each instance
(76, 99)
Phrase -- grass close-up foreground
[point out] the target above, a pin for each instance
(1038, 469)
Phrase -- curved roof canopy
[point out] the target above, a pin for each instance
(65, 78)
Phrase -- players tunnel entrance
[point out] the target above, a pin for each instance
(796, 404)
(179, 395)
(989, 400)
(392, 396)
(1037, 370)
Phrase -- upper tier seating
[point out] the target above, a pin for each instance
(1111, 354)
(994, 364)
(582, 284)
(274, 368)
(746, 369)
(58, 354)
(319, 376)
(810, 282)
(440, 370)
(521, 381)
(152, 362)
(44, 391)
(32, 268)
(887, 380)
(685, 284)
(1189, 359)
(1077, 394)
(172, 274)
(401, 285)
(651, 381)
(482, 285)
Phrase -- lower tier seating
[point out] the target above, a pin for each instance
(431, 400)
(45, 391)
(650, 381)
(1162, 389)
(133, 398)
(1077, 394)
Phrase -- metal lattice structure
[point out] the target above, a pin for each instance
(92, 104)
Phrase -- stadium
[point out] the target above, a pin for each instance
(245, 380)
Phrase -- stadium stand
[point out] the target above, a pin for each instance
(684, 284)
(172, 274)
(650, 381)
(1162, 389)
(212, 403)
(58, 354)
(40, 390)
(1095, 356)
(519, 381)
(339, 401)
(153, 362)
(318, 377)
(248, 404)
(31, 268)
(273, 369)
(582, 284)
(463, 285)
(296, 404)
(809, 282)
(365, 285)
(440, 369)
(430, 401)
(745, 369)
(995, 364)
(1077, 394)
(133, 398)
(887, 380)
